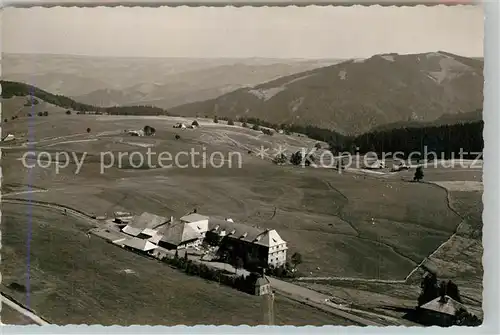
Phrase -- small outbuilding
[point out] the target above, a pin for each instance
(440, 311)
(262, 285)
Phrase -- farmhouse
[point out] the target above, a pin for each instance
(179, 235)
(254, 246)
(440, 311)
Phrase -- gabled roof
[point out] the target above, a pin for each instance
(261, 281)
(137, 244)
(448, 306)
(234, 229)
(155, 239)
(193, 217)
(269, 238)
(178, 233)
(147, 220)
(133, 231)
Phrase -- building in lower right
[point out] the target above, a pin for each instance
(440, 311)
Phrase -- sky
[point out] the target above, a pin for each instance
(268, 32)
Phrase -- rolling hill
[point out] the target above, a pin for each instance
(163, 82)
(356, 96)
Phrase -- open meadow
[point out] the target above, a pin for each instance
(76, 280)
(345, 225)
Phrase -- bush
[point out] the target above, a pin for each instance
(68, 112)
(40, 114)
(296, 158)
(88, 130)
(195, 123)
(45, 113)
(177, 137)
(280, 159)
(267, 131)
(244, 125)
(216, 120)
(5, 120)
(256, 127)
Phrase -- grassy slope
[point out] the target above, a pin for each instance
(76, 280)
(323, 215)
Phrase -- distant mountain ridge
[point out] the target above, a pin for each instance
(163, 82)
(356, 96)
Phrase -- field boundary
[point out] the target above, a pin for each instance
(405, 280)
(14, 304)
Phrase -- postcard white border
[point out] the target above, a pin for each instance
(491, 196)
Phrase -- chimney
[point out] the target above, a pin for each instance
(263, 272)
(442, 292)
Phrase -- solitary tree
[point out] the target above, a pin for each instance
(429, 289)
(296, 158)
(88, 130)
(296, 259)
(68, 112)
(464, 318)
(216, 120)
(452, 291)
(195, 123)
(40, 114)
(419, 174)
(177, 136)
(280, 159)
(5, 120)
(45, 113)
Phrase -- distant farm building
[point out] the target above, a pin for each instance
(180, 126)
(136, 132)
(8, 138)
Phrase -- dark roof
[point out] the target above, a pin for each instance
(147, 220)
(236, 230)
(448, 306)
(178, 233)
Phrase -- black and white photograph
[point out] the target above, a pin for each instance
(301, 166)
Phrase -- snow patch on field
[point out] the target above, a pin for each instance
(389, 58)
(267, 93)
(464, 186)
(450, 69)
(295, 104)
(342, 74)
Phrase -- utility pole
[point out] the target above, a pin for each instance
(270, 308)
